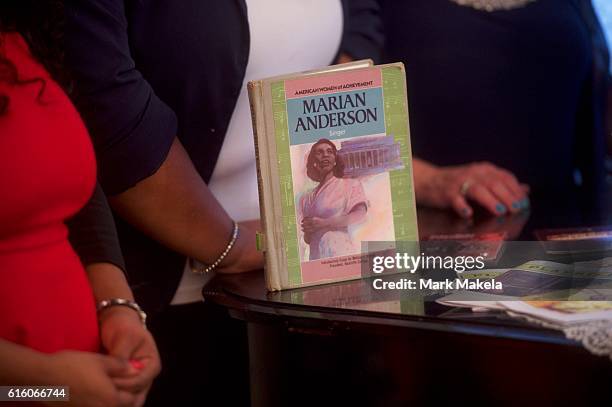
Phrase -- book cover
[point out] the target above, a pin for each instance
(543, 284)
(335, 171)
(576, 240)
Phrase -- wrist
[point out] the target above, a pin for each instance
(234, 256)
(47, 371)
(424, 170)
(113, 313)
(41, 369)
(424, 175)
(333, 222)
(108, 281)
(226, 257)
(118, 307)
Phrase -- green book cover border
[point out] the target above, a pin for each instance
(289, 223)
(396, 124)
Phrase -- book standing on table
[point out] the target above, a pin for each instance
(334, 170)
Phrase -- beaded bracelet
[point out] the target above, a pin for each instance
(102, 305)
(216, 263)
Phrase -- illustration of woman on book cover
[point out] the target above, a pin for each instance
(332, 206)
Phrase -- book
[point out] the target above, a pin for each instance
(576, 240)
(547, 291)
(334, 170)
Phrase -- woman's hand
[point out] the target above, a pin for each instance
(122, 333)
(124, 336)
(483, 183)
(313, 224)
(89, 377)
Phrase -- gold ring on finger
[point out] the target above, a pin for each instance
(465, 186)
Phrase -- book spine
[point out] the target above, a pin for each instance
(258, 118)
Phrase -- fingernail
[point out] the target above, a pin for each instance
(516, 205)
(500, 208)
(525, 203)
(137, 364)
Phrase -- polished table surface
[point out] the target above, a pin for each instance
(352, 310)
(358, 301)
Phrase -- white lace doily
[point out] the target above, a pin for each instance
(595, 336)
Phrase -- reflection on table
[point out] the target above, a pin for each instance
(392, 347)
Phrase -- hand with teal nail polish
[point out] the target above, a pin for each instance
(459, 187)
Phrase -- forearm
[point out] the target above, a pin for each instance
(92, 232)
(108, 281)
(21, 365)
(175, 207)
(353, 217)
(423, 171)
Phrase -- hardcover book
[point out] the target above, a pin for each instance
(576, 240)
(334, 171)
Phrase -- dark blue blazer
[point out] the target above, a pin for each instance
(146, 71)
(524, 88)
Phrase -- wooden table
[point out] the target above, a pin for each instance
(347, 343)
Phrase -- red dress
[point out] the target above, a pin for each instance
(47, 173)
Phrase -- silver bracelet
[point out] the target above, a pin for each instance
(216, 263)
(104, 304)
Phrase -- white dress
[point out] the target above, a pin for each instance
(336, 197)
(286, 36)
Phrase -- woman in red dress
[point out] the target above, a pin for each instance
(49, 329)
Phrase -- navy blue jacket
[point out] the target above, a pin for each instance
(524, 89)
(148, 70)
